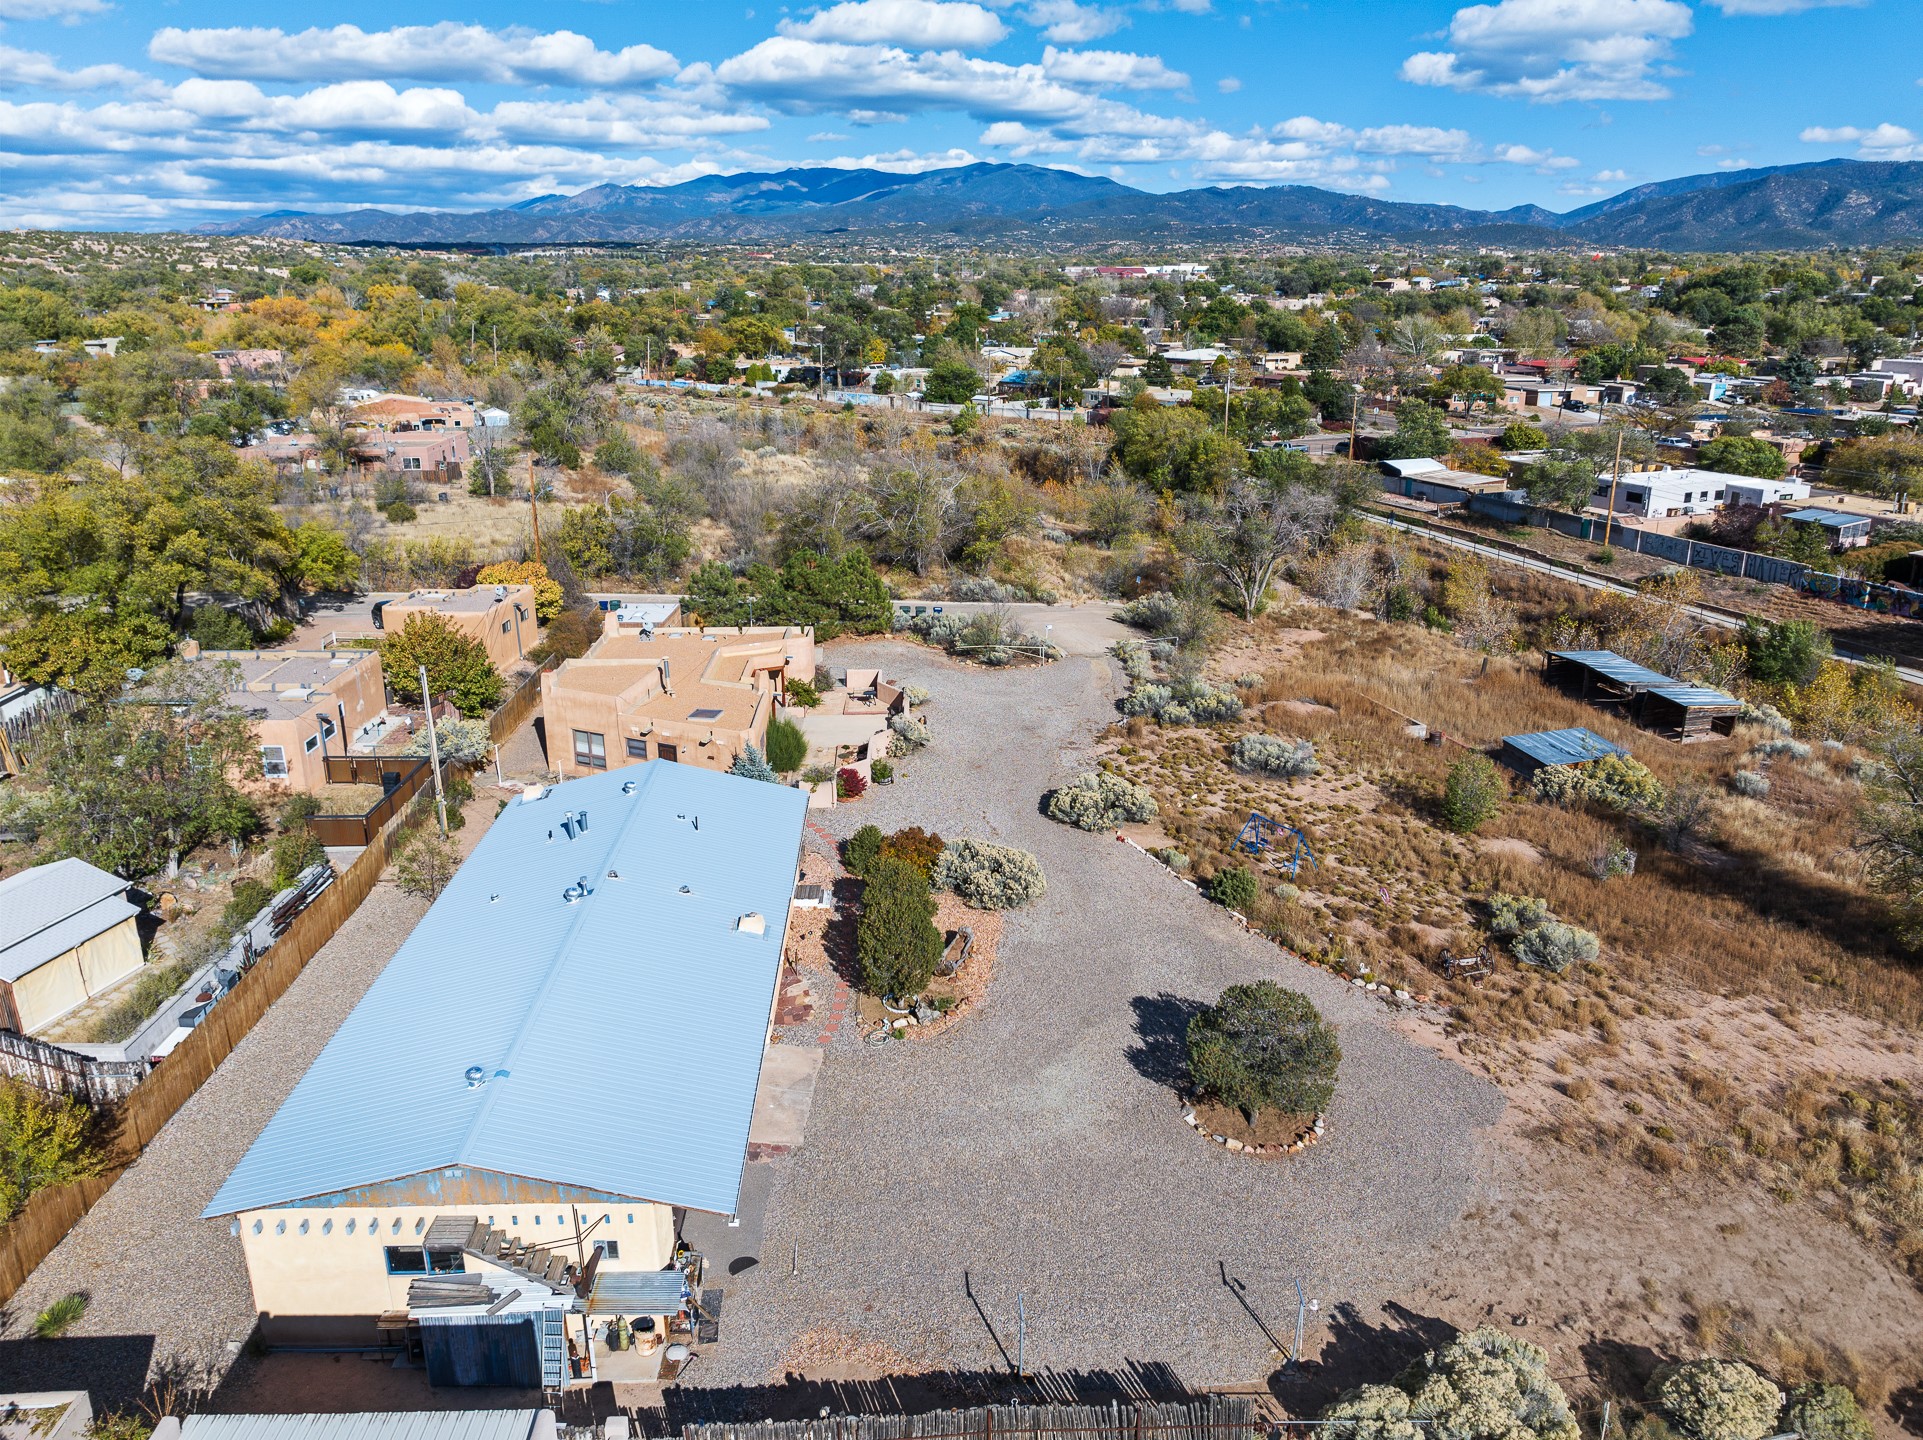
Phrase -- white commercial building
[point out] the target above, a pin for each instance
(1655, 494)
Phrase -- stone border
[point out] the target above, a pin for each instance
(1307, 1138)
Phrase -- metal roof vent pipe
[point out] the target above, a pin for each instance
(627, 787)
(476, 1077)
(567, 825)
(581, 819)
(577, 891)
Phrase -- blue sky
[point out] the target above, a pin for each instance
(147, 113)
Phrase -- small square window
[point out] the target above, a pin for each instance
(327, 728)
(637, 749)
(504, 625)
(313, 744)
(610, 1249)
(273, 761)
(590, 749)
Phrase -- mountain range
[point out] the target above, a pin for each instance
(1829, 202)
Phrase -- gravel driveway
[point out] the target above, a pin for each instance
(1037, 1149)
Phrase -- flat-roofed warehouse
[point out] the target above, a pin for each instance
(572, 1034)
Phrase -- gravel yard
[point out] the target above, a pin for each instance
(1037, 1148)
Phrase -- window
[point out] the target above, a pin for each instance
(504, 625)
(410, 462)
(637, 749)
(273, 761)
(313, 744)
(327, 728)
(590, 750)
(610, 1249)
(414, 1260)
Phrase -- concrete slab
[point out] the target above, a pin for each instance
(785, 1096)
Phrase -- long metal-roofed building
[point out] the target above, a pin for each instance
(565, 1050)
(1602, 677)
(1526, 754)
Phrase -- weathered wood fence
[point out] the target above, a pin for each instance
(1218, 1417)
(513, 712)
(31, 1235)
(59, 1071)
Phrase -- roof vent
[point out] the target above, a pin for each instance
(500, 592)
(531, 793)
(752, 924)
(476, 1077)
(627, 787)
(577, 891)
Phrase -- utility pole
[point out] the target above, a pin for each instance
(1228, 384)
(497, 344)
(1355, 414)
(434, 754)
(1614, 479)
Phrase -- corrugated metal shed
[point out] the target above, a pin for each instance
(47, 910)
(1612, 666)
(548, 997)
(373, 1425)
(1575, 746)
(637, 1292)
(1693, 696)
(1835, 519)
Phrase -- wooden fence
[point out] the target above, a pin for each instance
(1219, 1417)
(31, 1235)
(512, 713)
(412, 772)
(59, 1071)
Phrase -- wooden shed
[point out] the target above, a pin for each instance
(1526, 754)
(1687, 712)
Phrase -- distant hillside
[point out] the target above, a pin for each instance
(1832, 202)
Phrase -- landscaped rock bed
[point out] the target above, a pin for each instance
(1269, 1136)
(963, 991)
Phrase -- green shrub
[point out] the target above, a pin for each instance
(1826, 1412)
(1264, 1048)
(1484, 1385)
(882, 771)
(1716, 1400)
(60, 1317)
(1473, 794)
(250, 896)
(896, 941)
(1616, 782)
(861, 849)
(910, 734)
(458, 669)
(294, 851)
(989, 877)
(399, 513)
(461, 742)
(787, 746)
(801, 693)
(1100, 801)
(1787, 652)
(425, 863)
(44, 1141)
(1555, 946)
(1234, 888)
(1274, 757)
(218, 628)
(457, 790)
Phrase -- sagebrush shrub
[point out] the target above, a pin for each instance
(1555, 946)
(1826, 1412)
(1101, 801)
(1716, 1400)
(1513, 914)
(1484, 1385)
(1274, 756)
(989, 877)
(910, 734)
(1752, 783)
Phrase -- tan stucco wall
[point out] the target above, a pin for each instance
(328, 1271)
(494, 627)
(359, 689)
(63, 984)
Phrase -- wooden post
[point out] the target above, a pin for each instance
(1614, 479)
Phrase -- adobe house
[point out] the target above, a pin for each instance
(68, 932)
(692, 696)
(467, 1170)
(305, 705)
(501, 617)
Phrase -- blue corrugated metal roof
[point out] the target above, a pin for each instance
(1564, 747)
(1693, 695)
(1610, 665)
(562, 1004)
(1835, 519)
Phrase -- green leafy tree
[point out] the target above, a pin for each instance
(458, 669)
(1264, 1048)
(950, 382)
(131, 787)
(1422, 432)
(1742, 455)
(1472, 794)
(1784, 652)
(787, 746)
(1799, 541)
(896, 940)
(426, 863)
(1171, 447)
(43, 1141)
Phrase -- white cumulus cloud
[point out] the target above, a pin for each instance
(447, 51)
(1879, 142)
(1111, 69)
(928, 24)
(1554, 50)
(1067, 22)
(68, 10)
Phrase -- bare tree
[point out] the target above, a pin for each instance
(1252, 531)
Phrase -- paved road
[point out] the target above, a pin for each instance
(1037, 1150)
(1707, 613)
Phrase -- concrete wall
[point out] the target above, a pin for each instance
(328, 1282)
(68, 981)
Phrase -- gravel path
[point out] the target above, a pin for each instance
(1037, 1148)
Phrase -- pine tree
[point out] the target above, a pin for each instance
(751, 764)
